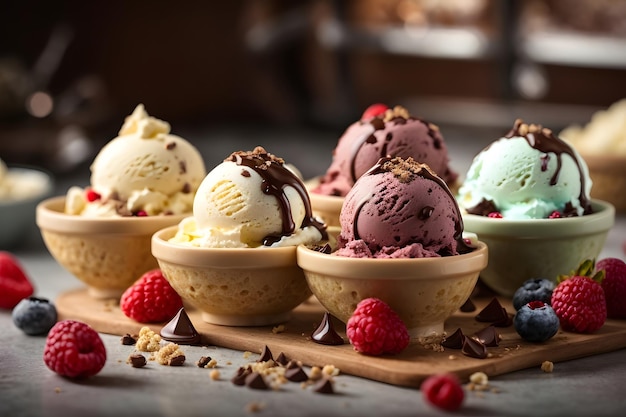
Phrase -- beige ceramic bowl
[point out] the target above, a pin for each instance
(326, 207)
(107, 254)
(233, 287)
(424, 292)
(542, 248)
(17, 213)
(608, 173)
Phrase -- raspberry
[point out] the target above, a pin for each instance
(443, 391)
(374, 328)
(555, 215)
(374, 110)
(495, 215)
(151, 299)
(614, 285)
(91, 195)
(75, 350)
(578, 300)
(14, 284)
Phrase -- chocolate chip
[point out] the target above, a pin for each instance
(128, 340)
(255, 381)
(137, 360)
(203, 361)
(170, 146)
(296, 374)
(325, 333)
(240, 376)
(324, 386)
(180, 330)
(183, 167)
(455, 340)
(468, 306)
(488, 336)
(493, 313)
(474, 348)
(266, 355)
(282, 359)
(291, 364)
(177, 360)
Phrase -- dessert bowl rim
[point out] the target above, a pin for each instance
(389, 269)
(49, 216)
(45, 191)
(602, 219)
(231, 258)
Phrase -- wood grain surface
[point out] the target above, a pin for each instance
(409, 368)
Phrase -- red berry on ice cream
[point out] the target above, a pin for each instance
(151, 299)
(374, 110)
(91, 195)
(614, 285)
(14, 284)
(579, 300)
(374, 329)
(75, 350)
(443, 391)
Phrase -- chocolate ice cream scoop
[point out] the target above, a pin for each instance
(400, 208)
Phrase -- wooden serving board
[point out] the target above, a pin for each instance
(409, 368)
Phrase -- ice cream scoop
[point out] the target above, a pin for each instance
(384, 132)
(251, 199)
(400, 209)
(146, 170)
(529, 173)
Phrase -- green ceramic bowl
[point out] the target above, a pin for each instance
(541, 248)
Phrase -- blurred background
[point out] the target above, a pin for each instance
(235, 74)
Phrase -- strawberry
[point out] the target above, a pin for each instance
(579, 300)
(14, 284)
(614, 285)
(374, 110)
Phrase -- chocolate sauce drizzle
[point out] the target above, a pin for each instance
(379, 124)
(545, 141)
(382, 166)
(275, 177)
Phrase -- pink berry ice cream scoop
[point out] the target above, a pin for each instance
(383, 132)
(400, 209)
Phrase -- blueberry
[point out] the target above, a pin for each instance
(535, 289)
(34, 316)
(536, 321)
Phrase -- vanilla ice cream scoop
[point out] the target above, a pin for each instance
(145, 170)
(528, 174)
(251, 199)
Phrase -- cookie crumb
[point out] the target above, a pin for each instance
(246, 354)
(254, 407)
(547, 366)
(170, 355)
(148, 341)
(330, 370)
(57, 389)
(479, 381)
(214, 374)
(278, 329)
